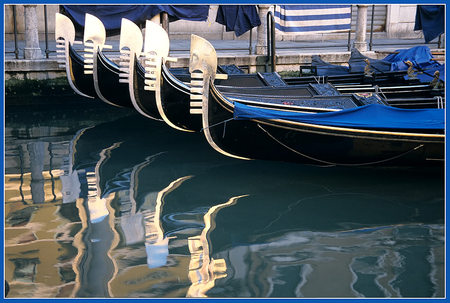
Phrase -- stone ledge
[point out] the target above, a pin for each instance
(49, 68)
(32, 65)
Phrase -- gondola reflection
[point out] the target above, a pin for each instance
(128, 208)
(204, 270)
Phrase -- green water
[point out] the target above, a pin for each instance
(101, 202)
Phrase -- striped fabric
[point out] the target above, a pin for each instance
(301, 19)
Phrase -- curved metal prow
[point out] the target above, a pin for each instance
(130, 47)
(64, 28)
(131, 42)
(203, 57)
(202, 66)
(94, 31)
(156, 50)
(94, 40)
(156, 39)
(65, 37)
(156, 54)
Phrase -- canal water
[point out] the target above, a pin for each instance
(102, 202)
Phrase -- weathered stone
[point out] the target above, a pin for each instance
(261, 34)
(37, 76)
(32, 49)
(361, 29)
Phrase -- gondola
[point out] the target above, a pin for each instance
(142, 86)
(176, 97)
(156, 87)
(108, 82)
(145, 81)
(92, 76)
(406, 136)
(82, 72)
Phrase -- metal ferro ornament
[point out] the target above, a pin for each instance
(65, 38)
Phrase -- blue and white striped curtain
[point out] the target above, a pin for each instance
(301, 19)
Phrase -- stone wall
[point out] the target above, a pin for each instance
(400, 21)
(9, 21)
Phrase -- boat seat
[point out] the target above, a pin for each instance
(272, 79)
(325, 89)
(369, 98)
(230, 69)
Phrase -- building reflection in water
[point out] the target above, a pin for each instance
(94, 266)
(39, 217)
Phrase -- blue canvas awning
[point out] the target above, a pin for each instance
(421, 57)
(238, 18)
(373, 116)
(111, 15)
(431, 20)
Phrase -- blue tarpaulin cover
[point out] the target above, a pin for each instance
(238, 18)
(111, 15)
(326, 69)
(431, 20)
(421, 57)
(373, 116)
(357, 63)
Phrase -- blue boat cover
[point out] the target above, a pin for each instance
(421, 57)
(357, 63)
(111, 15)
(327, 69)
(238, 18)
(373, 116)
(431, 20)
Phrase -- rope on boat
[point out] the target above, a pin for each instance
(378, 90)
(334, 163)
(224, 128)
(225, 121)
(318, 79)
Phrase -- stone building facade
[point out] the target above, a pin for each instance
(390, 21)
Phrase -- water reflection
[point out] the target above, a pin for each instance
(126, 207)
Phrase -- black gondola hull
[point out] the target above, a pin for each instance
(83, 82)
(297, 142)
(144, 100)
(111, 90)
(175, 102)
